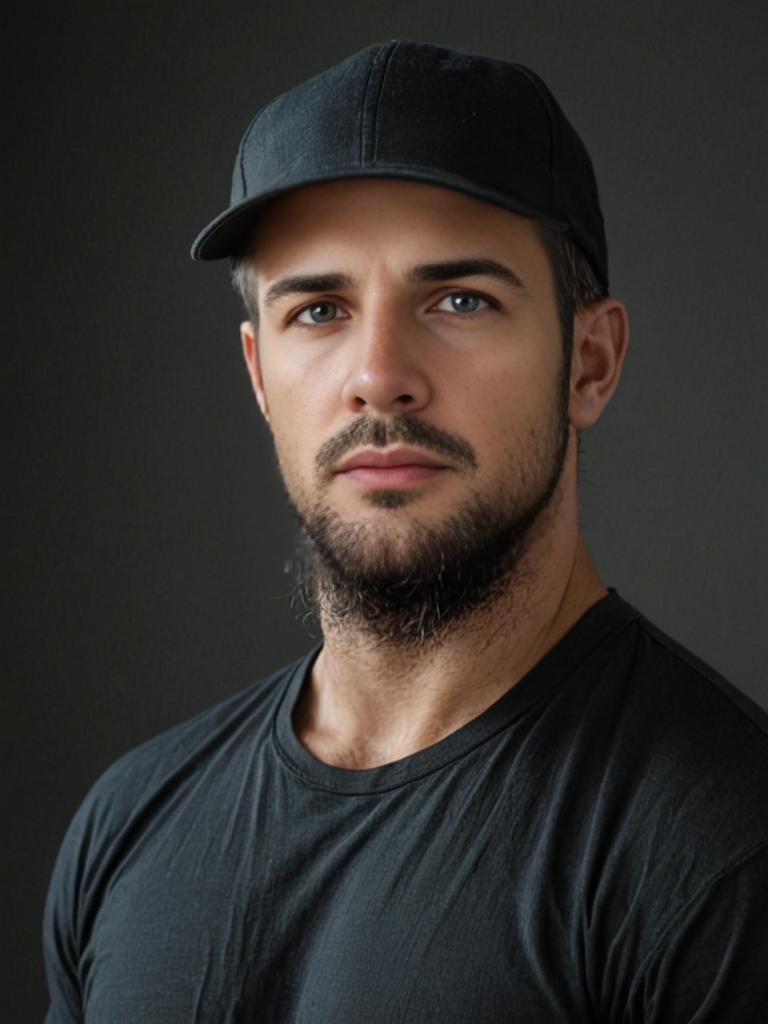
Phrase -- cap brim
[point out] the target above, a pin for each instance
(225, 235)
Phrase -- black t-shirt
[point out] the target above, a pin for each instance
(592, 847)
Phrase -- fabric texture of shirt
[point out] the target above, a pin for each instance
(592, 847)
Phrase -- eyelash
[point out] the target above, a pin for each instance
(330, 302)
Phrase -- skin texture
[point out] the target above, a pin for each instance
(385, 346)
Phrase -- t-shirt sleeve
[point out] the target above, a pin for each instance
(60, 931)
(710, 964)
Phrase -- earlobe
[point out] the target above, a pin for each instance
(249, 341)
(600, 340)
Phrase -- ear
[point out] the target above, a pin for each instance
(249, 339)
(600, 340)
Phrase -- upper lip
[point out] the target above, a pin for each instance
(378, 459)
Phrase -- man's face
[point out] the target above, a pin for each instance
(420, 424)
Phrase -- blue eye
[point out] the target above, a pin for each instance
(462, 308)
(316, 305)
(458, 299)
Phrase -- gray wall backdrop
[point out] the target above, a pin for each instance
(147, 532)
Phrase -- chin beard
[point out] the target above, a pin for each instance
(410, 590)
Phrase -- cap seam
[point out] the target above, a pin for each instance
(380, 55)
(526, 72)
(245, 139)
(377, 107)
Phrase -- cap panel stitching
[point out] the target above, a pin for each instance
(374, 155)
(381, 55)
(246, 137)
(527, 74)
(585, 239)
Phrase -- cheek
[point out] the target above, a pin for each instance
(516, 413)
(290, 447)
(302, 383)
(297, 382)
(297, 433)
(506, 399)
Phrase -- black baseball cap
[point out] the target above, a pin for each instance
(422, 112)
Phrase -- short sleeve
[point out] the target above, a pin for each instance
(60, 931)
(710, 965)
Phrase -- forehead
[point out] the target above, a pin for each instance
(373, 214)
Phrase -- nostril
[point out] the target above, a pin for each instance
(361, 402)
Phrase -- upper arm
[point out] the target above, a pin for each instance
(60, 930)
(710, 964)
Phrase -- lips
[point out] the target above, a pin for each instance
(390, 460)
(394, 470)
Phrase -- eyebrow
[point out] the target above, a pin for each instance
(443, 270)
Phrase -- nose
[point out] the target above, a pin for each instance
(386, 372)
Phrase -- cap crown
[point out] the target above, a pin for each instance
(420, 111)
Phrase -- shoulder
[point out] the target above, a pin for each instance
(134, 797)
(650, 678)
(648, 700)
(700, 838)
(188, 747)
(673, 758)
(691, 701)
(684, 757)
(674, 829)
(144, 782)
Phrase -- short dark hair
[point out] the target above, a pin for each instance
(576, 284)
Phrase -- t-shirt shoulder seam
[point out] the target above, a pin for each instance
(731, 868)
(701, 669)
(175, 740)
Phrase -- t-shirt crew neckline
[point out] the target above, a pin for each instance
(569, 654)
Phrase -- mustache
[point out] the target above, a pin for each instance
(401, 428)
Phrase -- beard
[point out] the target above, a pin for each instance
(407, 583)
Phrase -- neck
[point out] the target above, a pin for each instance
(368, 704)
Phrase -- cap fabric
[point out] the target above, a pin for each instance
(423, 112)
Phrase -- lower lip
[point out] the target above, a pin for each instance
(392, 477)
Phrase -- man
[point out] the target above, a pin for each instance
(495, 792)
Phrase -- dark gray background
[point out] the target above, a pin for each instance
(147, 533)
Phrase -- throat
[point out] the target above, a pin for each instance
(369, 703)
